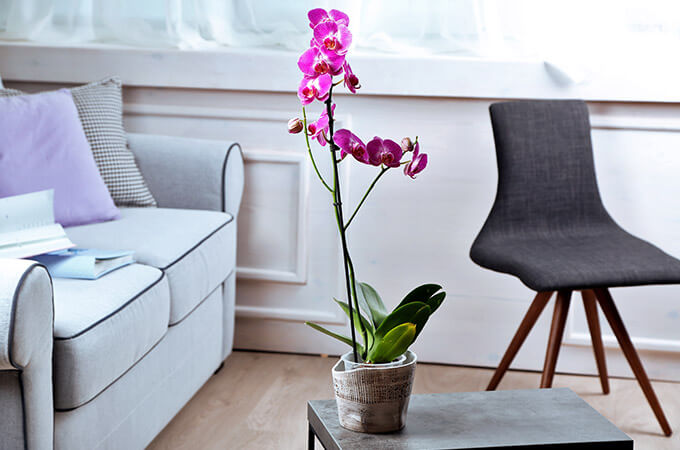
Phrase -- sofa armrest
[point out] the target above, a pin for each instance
(26, 340)
(190, 173)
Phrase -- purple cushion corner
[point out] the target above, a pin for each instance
(44, 147)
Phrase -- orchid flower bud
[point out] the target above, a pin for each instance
(295, 125)
(406, 145)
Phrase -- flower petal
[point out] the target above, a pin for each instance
(395, 149)
(343, 138)
(306, 91)
(421, 163)
(338, 16)
(374, 149)
(324, 29)
(344, 37)
(324, 83)
(307, 60)
(317, 15)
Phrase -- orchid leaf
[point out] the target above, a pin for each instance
(420, 319)
(339, 337)
(421, 293)
(393, 344)
(436, 300)
(373, 302)
(397, 317)
(370, 331)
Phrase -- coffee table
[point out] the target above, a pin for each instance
(524, 419)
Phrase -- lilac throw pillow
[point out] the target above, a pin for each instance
(43, 146)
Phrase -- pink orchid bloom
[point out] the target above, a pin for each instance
(417, 164)
(317, 130)
(314, 62)
(350, 144)
(319, 15)
(351, 80)
(332, 37)
(312, 88)
(385, 152)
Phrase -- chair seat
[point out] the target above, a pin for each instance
(610, 258)
(196, 249)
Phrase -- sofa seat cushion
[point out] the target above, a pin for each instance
(196, 249)
(103, 327)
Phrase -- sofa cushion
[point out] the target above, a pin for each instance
(103, 327)
(196, 249)
(43, 146)
(100, 108)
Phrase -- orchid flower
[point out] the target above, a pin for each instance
(351, 80)
(314, 62)
(312, 88)
(350, 144)
(418, 162)
(332, 37)
(385, 152)
(320, 15)
(317, 130)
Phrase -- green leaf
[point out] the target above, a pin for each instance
(339, 337)
(397, 317)
(373, 302)
(393, 344)
(436, 300)
(370, 331)
(420, 319)
(420, 294)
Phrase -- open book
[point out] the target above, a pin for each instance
(88, 264)
(27, 226)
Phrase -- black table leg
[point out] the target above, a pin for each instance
(310, 437)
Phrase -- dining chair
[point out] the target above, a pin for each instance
(549, 228)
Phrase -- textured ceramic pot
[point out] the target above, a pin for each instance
(373, 398)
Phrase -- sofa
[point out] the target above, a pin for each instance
(107, 363)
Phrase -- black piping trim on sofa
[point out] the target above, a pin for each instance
(201, 302)
(10, 344)
(224, 173)
(114, 381)
(143, 356)
(116, 311)
(212, 233)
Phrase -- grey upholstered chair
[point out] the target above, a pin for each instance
(549, 228)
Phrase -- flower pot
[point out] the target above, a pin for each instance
(373, 398)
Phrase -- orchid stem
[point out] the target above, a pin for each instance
(370, 188)
(337, 202)
(311, 155)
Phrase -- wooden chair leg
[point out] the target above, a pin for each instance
(590, 306)
(616, 324)
(555, 339)
(525, 327)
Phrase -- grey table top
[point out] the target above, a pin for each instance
(525, 419)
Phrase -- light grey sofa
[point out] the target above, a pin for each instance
(107, 363)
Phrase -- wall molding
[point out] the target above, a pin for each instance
(614, 122)
(289, 314)
(582, 339)
(240, 69)
(207, 112)
(299, 274)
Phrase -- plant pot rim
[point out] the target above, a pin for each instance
(410, 359)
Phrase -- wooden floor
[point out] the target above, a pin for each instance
(258, 400)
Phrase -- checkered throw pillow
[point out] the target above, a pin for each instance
(100, 107)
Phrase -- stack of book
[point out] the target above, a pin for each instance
(28, 230)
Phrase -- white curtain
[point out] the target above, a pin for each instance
(546, 29)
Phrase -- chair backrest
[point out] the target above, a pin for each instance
(546, 173)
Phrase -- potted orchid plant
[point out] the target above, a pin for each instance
(364, 402)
